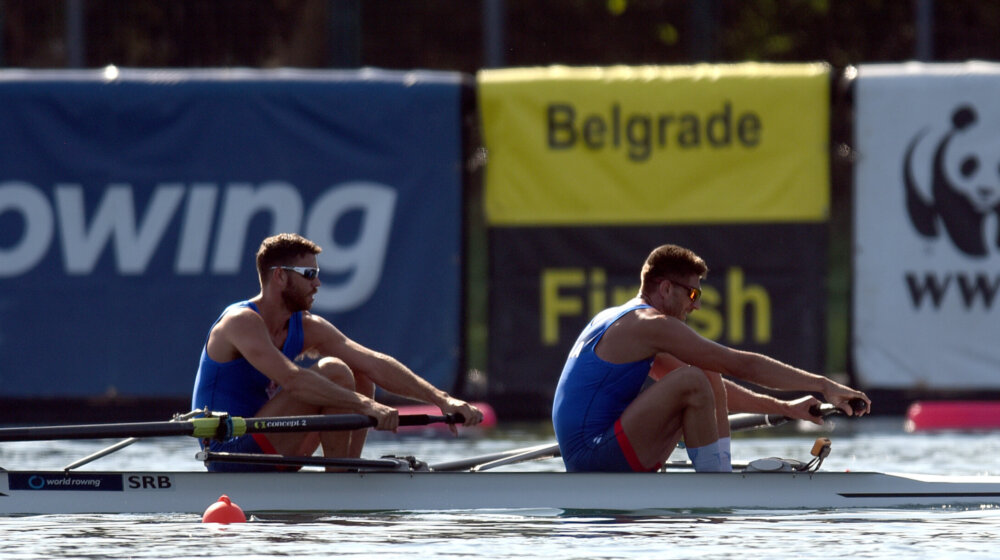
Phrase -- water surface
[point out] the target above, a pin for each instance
(866, 444)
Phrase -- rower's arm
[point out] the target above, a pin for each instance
(768, 372)
(658, 333)
(247, 335)
(382, 369)
(385, 371)
(654, 333)
(742, 399)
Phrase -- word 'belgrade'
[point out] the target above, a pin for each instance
(642, 132)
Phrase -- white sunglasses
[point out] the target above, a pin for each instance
(307, 272)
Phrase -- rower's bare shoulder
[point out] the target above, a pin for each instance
(649, 318)
(239, 319)
(314, 321)
(318, 329)
(237, 328)
(655, 330)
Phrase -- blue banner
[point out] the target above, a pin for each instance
(132, 204)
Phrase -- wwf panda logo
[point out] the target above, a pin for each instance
(964, 185)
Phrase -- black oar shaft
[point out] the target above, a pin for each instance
(308, 423)
(214, 427)
(97, 431)
(338, 422)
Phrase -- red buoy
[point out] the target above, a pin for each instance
(925, 416)
(224, 511)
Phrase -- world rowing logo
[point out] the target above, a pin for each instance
(961, 192)
(64, 482)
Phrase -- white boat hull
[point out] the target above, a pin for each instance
(26, 492)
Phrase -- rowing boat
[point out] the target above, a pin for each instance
(405, 484)
(28, 492)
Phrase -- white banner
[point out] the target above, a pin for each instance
(927, 240)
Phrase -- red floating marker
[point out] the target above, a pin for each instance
(953, 415)
(224, 511)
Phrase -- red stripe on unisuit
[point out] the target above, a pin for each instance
(629, 451)
(264, 444)
(266, 447)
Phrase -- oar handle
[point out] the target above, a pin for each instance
(739, 422)
(826, 409)
(425, 419)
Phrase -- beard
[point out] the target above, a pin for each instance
(296, 301)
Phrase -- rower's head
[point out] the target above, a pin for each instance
(286, 250)
(671, 280)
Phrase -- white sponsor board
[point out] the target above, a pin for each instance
(927, 242)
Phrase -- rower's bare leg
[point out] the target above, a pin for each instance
(364, 386)
(721, 412)
(681, 402)
(663, 364)
(721, 403)
(671, 446)
(335, 443)
(293, 443)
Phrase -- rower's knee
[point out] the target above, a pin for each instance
(336, 371)
(364, 385)
(694, 386)
(717, 384)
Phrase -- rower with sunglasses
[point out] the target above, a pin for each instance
(248, 365)
(608, 418)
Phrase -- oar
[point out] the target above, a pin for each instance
(542, 451)
(384, 464)
(546, 452)
(123, 443)
(740, 422)
(737, 422)
(219, 427)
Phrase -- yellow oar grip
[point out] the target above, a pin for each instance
(209, 427)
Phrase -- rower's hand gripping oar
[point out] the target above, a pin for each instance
(738, 422)
(216, 427)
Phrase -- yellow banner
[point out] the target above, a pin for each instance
(743, 143)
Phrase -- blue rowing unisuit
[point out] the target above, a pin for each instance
(592, 393)
(236, 386)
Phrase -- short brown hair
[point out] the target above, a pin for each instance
(671, 261)
(279, 250)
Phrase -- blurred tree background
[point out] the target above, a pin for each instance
(454, 34)
(467, 35)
